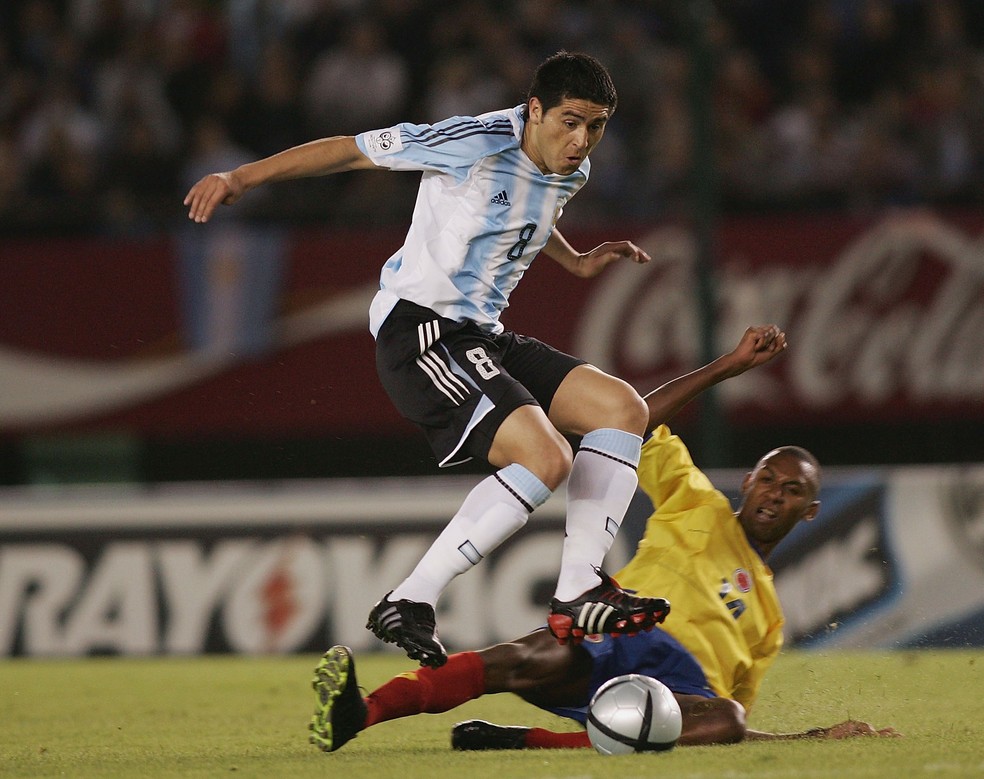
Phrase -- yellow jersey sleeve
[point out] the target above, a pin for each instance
(694, 553)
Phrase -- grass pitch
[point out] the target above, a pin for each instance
(247, 717)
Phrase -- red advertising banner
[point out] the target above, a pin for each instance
(259, 332)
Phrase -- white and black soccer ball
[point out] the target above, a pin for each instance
(633, 713)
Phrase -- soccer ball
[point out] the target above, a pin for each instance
(633, 713)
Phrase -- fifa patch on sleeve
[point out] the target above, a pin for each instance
(381, 142)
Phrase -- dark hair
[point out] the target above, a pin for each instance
(572, 75)
(801, 454)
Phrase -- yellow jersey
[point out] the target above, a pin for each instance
(725, 609)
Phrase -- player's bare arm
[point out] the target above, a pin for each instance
(756, 347)
(848, 729)
(317, 158)
(589, 264)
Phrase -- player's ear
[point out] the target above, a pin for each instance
(534, 110)
(812, 510)
(746, 482)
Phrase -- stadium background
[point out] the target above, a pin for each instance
(817, 164)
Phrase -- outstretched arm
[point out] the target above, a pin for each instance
(590, 264)
(757, 346)
(317, 158)
(848, 729)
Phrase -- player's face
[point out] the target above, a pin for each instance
(560, 139)
(779, 493)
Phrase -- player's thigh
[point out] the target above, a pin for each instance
(538, 366)
(589, 399)
(534, 665)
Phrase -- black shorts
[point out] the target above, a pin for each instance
(458, 383)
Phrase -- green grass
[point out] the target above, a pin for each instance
(247, 717)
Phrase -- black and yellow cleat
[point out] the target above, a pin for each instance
(340, 710)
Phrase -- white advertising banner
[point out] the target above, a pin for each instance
(895, 559)
(254, 569)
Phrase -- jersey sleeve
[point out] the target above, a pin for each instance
(687, 507)
(746, 689)
(451, 146)
(669, 477)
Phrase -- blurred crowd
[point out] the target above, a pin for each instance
(109, 109)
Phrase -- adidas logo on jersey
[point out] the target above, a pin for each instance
(502, 199)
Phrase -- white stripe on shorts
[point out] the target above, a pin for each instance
(427, 334)
(442, 377)
(440, 374)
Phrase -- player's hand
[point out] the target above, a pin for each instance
(854, 728)
(210, 192)
(758, 345)
(591, 263)
(612, 251)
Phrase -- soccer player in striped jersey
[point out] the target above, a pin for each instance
(492, 188)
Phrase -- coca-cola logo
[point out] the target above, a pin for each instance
(895, 318)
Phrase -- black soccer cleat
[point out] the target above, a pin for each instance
(340, 711)
(478, 734)
(606, 608)
(411, 626)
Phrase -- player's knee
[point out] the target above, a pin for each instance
(551, 462)
(624, 409)
(636, 413)
(559, 460)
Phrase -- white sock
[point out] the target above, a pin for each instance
(496, 508)
(599, 489)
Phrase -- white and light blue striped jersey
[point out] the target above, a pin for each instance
(483, 212)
